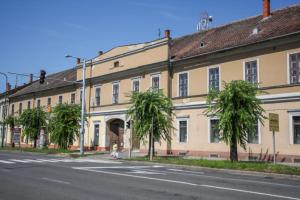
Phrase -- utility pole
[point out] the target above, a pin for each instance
(81, 142)
(6, 110)
(82, 110)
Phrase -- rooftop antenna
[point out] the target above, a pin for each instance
(159, 33)
(204, 22)
(16, 81)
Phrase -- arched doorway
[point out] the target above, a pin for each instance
(116, 133)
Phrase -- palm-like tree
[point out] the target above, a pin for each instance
(238, 110)
(64, 124)
(11, 121)
(32, 120)
(151, 111)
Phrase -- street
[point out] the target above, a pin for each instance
(38, 176)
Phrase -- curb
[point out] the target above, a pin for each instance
(241, 172)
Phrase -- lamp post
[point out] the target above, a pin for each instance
(6, 109)
(82, 105)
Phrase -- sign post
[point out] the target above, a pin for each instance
(274, 127)
(16, 135)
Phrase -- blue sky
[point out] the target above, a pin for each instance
(36, 34)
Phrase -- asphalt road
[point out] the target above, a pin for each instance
(36, 176)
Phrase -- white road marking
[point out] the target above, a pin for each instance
(30, 160)
(113, 167)
(191, 184)
(141, 177)
(6, 162)
(98, 161)
(17, 160)
(180, 170)
(145, 172)
(250, 192)
(236, 179)
(55, 180)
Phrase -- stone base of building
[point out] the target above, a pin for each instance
(225, 155)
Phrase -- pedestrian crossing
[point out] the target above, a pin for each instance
(60, 160)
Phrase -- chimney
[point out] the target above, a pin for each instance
(266, 8)
(78, 61)
(8, 87)
(100, 53)
(30, 78)
(167, 33)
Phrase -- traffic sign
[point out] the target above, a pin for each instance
(273, 122)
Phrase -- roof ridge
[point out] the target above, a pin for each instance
(237, 21)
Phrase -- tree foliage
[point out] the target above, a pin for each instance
(238, 110)
(64, 124)
(32, 120)
(149, 106)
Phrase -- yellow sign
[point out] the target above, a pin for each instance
(274, 122)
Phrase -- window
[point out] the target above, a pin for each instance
(251, 71)
(28, 104)
(38, 103)
(155, 82)
(183, 84)
(13, 109)
(97, 96)
(49, 101)
(80, 96)
(60, 99)
(214, 82)
(296, 129)
(182, 131)
(115, 98)
(136, 85)
(294, 68)
(117, 64)
(20, 108)
(214, 131)
(253, 138)
(72, 98)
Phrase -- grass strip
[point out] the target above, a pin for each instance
(226, 164)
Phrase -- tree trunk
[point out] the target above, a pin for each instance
(149, 145)
(153, 151)
(34, 143)
(233, 149)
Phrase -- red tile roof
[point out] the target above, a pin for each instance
(281, 22)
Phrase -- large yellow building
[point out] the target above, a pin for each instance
(263, 49)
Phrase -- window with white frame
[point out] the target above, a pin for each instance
(81, 92)
(251, 71)
(136, 85)
(97, 96)
(20, 108)
(183, 84)
(38, 103)
(155, 82)
(115, 93)
(214, 131)
(294, 62)
(183, 131)
(60, 99)
(253, 138)
(296, 129)
(49, 102)
(213, 78)
(13, 109)
(72, 98)
(28, 104)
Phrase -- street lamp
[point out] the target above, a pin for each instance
(82, 105)
(6, 109)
